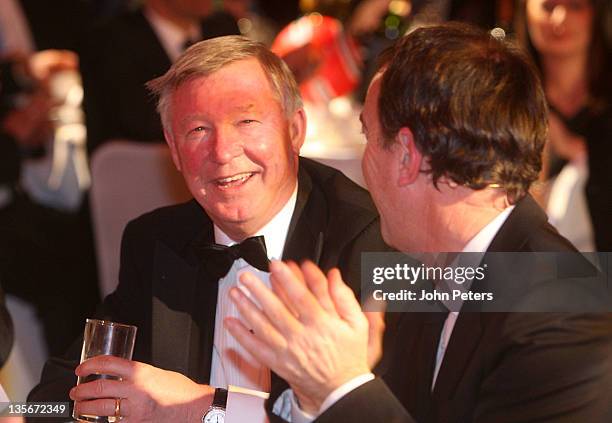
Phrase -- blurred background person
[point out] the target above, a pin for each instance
(46, 250)
(120, 54)
(568, 43)
(332, 52)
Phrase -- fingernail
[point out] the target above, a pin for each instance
(247, 278)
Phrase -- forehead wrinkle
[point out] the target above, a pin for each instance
(248, 108)
(191, 118)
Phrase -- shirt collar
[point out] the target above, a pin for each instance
(483, 239)
(274, 232)
(172, 37)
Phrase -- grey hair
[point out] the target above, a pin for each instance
(207, 57)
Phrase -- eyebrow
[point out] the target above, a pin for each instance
(197, 116)
(191, 118)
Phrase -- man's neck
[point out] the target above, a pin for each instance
(453, 220)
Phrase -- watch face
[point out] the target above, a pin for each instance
(214, 416)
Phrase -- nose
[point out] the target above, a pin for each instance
(226, 145)
(558, 18)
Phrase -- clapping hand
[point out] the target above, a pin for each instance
(310, 329)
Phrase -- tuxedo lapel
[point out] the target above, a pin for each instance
(423, 365)
(184, 305)
(174, 282)
(512, 236)
(305, 236)
(464, 340)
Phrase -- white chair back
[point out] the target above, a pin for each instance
(128, 179)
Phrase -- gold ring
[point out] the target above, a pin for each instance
(117, 407)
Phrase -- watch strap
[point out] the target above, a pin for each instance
(220, 398)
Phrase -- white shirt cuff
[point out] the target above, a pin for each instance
(245, 405)
(341, 391)
(300, 416)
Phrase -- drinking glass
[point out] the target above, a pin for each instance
(103, 337)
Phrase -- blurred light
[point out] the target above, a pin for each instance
(300, 32)
(307, 5)
(392, 21)
(340, 107)
(245, 25)
(498, 33)
(400, 7)
(391, 33)
(316, 19)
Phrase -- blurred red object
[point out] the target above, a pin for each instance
(325, 60)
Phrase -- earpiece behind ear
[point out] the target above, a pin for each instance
(405, 159)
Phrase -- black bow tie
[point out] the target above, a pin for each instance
(219, 258)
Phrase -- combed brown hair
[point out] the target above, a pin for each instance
(473, 102)
(206, 57)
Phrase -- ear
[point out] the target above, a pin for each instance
(297, 130)
(173, 149)
(409, 157)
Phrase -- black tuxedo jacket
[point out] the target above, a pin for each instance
(6, 330)
(117, 59)
(163, 291)
(498, 367)
(57, 24)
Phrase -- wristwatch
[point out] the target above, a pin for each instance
(216, 411)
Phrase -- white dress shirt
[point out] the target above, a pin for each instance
(171, 37)
(478, 244)
(232, 366)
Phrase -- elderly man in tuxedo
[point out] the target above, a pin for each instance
(234, 122)
(455, 123)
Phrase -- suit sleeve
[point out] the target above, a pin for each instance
(371, 402)
(558, 367)
(125, 305)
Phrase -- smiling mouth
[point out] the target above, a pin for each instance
(234, 181)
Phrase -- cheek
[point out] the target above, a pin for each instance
(583, 26)
(269, 151)
(194, 157)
